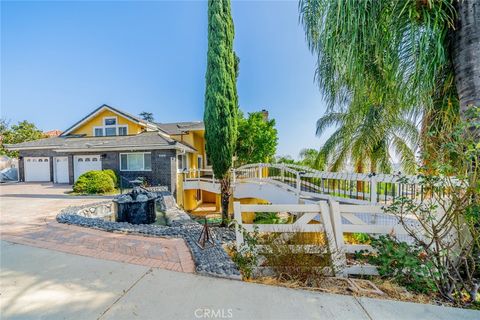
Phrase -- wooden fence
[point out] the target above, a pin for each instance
(335, 221)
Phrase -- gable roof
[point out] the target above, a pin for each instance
(133, 118)
(181, 127)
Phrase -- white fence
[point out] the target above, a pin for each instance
(336, 220)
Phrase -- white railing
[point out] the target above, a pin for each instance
(308, 183)
(206, 175)
(336, 221)
(355, 188)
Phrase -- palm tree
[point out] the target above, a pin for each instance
(369, 138)
(417, 45)
(310, 157)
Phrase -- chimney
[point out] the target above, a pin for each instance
(265, 114)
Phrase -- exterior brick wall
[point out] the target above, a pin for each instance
(43, 153)
(163, 173)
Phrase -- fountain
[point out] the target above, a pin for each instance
(137, 206)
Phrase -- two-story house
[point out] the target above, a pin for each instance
(108, 138)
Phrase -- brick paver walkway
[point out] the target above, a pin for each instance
(23, 222)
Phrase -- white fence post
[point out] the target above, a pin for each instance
(373, 189)
(334, 209)
(337, 261)
(237, 215)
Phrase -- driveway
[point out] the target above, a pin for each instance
(27, 216)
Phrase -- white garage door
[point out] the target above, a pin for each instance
(83, 164)
(60, 169)
(37, 168)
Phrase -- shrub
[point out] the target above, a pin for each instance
(112, 175)
(299, 257)
(448, 215)
(403, 263)
(268, 218)
(246, 257)
(94, 182)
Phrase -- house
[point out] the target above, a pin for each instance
(108, 138)
(52, 133)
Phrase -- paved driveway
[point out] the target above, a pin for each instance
(27, 216)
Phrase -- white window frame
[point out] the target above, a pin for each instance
(127, 153)
(200, 157)
(122, 126)
(206, 165)
(186, 163)
(110, 125)
(104, 127)
(103, 131)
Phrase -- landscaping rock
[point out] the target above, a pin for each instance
(212, 260)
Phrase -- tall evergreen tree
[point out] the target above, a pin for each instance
(221, 101)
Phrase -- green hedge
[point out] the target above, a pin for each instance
(94, 182)
(113, 175)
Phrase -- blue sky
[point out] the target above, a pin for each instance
(60, 60)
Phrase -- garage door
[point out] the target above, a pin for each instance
(37, 168)
(83, 164)
(60, 170)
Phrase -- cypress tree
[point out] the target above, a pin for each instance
(221, 102)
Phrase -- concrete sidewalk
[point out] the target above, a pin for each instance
(42, 284)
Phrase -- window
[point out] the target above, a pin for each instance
(98, 132)
(181, 162)
(122, 131)
(110, 131)
(110, 128)
(110, 121)
(208, 164)
(138, 161)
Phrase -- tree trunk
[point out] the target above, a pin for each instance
(466, 56)
(225, 195)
